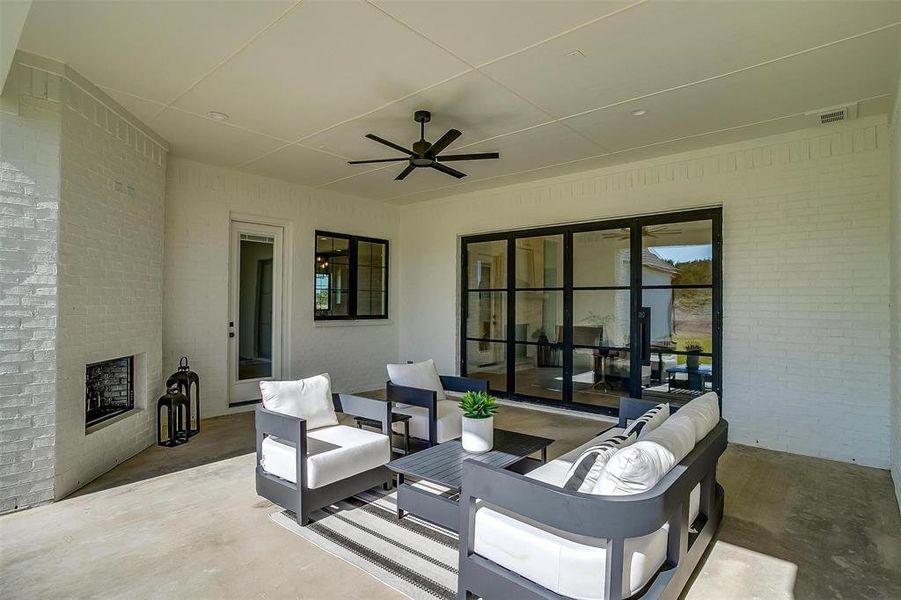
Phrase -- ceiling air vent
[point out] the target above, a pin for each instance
(835, 114)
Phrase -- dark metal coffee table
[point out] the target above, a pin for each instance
(443, 465)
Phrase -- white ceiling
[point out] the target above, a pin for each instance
(549, 84)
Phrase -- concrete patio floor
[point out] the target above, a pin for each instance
(186, 522)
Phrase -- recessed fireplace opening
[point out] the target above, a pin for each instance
(108, 389)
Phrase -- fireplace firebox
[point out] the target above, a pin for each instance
(108, 389)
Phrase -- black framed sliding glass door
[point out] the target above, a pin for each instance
(583, 314)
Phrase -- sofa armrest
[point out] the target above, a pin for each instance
(370, 408)
(452, 383)
(590, 515)
(287, 428)
(632, 408)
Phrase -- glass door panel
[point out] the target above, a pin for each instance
(538, 317)
(487, 360)
(601, 258)
(486, 306)
(677, 254)
(487, 317)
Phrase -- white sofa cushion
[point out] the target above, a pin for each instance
(333, 454)
(642, 465)
(449, 421)
(309, 399)
(570, 565)
(649, 421)
(422, 375)
(555, 472)
(704, 412)
(584, 473)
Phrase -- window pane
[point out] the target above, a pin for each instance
(487, 315)
(677, 253)
(371, 254)
(601, 317)
(539, 316)
(340, 303)
(487, 268)
(681, 319)
(600, 376)
(370, 303)
(539, 371)
(255, 308)
(539, 262)
(601, 258)
(487, 360)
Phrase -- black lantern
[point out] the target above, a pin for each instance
(183, 380)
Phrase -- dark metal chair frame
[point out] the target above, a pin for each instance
(428, 399)
(613, 518)
(298, 498)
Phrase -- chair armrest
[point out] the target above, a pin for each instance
(370, 408)
(402, 394)
(591, 515)
(427, 399)
(452, 383)
(288, 428)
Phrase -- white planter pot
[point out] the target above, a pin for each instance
(478, 434)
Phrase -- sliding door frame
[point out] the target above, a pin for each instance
(635, 226)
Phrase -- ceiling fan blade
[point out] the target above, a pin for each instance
(446, 140)
(405, 172)
(448, 170)
(376, 138)
(376, 160)
(482, 156)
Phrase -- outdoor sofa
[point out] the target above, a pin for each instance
(526, 537)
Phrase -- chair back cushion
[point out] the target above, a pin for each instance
(649, 421)
(422, 375)
(704, 412)
(309, 399)
(642, 465)
(584, 473)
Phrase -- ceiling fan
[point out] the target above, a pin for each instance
(649, 231)
(425, 154)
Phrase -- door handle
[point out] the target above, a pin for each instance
(644, 328)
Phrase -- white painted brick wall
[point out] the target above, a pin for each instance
(29, 198)
(200, 202)
(110, 280)
(806, 253)
(896, 295)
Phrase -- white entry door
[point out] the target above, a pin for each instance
(255, 308)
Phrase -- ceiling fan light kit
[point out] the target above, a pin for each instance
(424, 154)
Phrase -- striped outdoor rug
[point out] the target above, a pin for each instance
(410, 555)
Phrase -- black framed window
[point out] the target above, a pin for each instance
(350, 278)
(580, 315)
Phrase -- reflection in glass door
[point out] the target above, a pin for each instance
(585, 314)
(255, 309)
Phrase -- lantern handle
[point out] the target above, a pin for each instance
(183, 364)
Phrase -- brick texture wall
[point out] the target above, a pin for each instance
(806, 264)
(896, 295)
(29, 199)
(110, 279)
(201, 200)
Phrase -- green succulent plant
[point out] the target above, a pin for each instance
(478, 405)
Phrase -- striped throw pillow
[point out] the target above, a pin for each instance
(584, 473)
(649, 421)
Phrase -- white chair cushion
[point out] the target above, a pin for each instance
(422, 375)
(450, 421)
(704, 412)
(649, 421)
(333, 454)
(309, 399)
(642, 465)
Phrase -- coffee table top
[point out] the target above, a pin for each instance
(443, 464)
